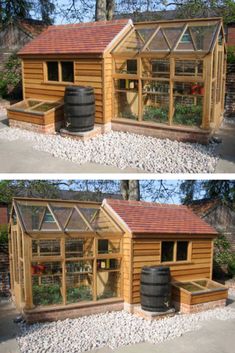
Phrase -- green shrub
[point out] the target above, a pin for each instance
(81, 293)
(10, 78)
(3, 234)
(159, 115)
(231, 54)
(223, 253)
(231, 267)
(46, 294)
(188, 114)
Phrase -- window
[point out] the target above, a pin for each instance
(103, 246)
(131, 66)
(67, 71)
(173, 251)
(60, 71)
(52, 71)
(167, 251)
(48, 218)
(186, 38)
(182, 251)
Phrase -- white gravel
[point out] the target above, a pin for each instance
(124, 150)
(112, 329)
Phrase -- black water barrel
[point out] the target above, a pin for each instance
(79, 108)
(155, 288)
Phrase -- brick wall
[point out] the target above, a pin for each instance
(231, 34)
(3, 214)
(4, 269)
(230, 90)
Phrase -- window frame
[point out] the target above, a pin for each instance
(175, 261)
(59, 63)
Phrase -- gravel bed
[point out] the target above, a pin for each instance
(124, 150)
(114, 329)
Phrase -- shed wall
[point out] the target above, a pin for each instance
(88, 72)
(146, 252)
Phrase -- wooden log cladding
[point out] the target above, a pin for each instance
(87, 72)
(108, 83)
(146, 252)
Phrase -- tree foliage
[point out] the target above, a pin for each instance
(21, 9)
(196, 189)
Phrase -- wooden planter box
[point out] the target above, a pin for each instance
(198, 295)
(36, 115)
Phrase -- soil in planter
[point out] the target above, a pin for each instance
(44, 107)
(47, 294)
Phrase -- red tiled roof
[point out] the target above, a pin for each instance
(147, 217)
(80, 38)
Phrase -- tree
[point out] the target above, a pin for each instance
(104, 10)
(29, 188)
(196, 189)
(47, 9)
(130, 189)
(11, 9)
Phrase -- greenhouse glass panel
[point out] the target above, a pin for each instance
(78, 247)
(76, 223)
(45, 247)
(79, 280)
(188, 110)
(126, 66)
(155, 68)
(36, 217)
(132, 43)
(108, 246)
(46, 283)
(186, 42)
(108, 285)
(188, 67)
(48, 221)
(155, 101)
(158, 42)
(62, 213)
(145, 33)
(102, 223)
(173, 34)
(203, 35)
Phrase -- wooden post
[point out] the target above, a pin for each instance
(27, 258)
(171, 87)
(215, 59)
(139, 73)
(95, 251)
(62, 251)
(207, 68)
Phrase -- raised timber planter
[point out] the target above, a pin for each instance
(198, 295)
(36, 115)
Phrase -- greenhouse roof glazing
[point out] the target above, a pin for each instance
(172, 36)
(38, 215)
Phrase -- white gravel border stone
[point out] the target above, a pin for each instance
(124, 150)
(113, 329)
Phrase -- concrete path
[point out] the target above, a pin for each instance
(226, 149)
(8, 329)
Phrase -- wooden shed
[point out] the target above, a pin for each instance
(160, 78)
(70, 258)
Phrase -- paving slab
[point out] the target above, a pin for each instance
(8, 329)
(226, 149)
